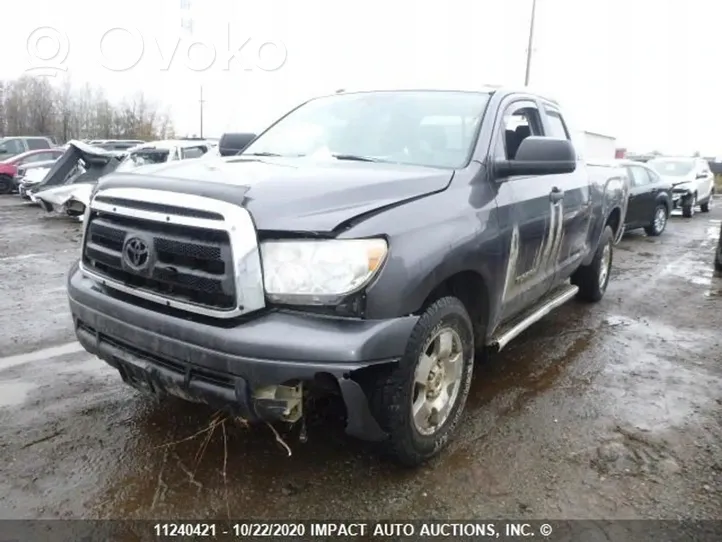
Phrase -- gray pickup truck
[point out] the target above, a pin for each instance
(366, 244)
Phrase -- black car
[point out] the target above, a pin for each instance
(650, 198)
(366, 244)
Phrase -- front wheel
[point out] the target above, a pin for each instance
(688, 210)
(6, 184)
(419, 402)
(705, 207)
(659, 222)
(593, 279)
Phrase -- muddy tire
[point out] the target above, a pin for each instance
(593, 279)
(6, 184)
(659, 221)
(688, 210)
(704, 207)
(420, 400)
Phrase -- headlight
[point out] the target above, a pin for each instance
(318, 271)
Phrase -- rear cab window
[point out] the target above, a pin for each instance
(35, 143)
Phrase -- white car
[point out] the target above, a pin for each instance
(692, 182)
(160, 152)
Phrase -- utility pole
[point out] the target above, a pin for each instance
(201, 102)
(531, 43)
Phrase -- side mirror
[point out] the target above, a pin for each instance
(701, 175)
(539, 156)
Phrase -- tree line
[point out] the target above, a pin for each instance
(33, 106)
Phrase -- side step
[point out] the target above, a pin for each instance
(548, 303)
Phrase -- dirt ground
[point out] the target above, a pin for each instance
(604, 411)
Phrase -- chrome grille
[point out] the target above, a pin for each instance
(202, 253)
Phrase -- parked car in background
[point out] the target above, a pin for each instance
(650, 198)
(394, 233)
(12, 146)
(159, 152)
(31, 174)
(9, 166)
(692, 182)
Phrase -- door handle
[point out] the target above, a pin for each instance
(556, 195)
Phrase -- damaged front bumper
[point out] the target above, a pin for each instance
(681, 199)
(234, 368)
(66, 200)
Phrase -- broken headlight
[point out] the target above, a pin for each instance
(317, 272)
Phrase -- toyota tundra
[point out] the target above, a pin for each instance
(366, 243)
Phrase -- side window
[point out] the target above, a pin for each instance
(557, 126)
(35, 143)
(653, 177)
(638, 176)
(520, 121)
(14, 146)
(193, 152)
(30, 159)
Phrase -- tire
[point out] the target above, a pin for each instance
(718, 254)
(705, 207)
(6, 184)
(659, 221)
(688, 210)
(593, 279)
(392, 393)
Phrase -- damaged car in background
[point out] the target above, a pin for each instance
(692, 182)
(66, 187)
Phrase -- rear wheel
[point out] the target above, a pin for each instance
(688, 210)
(593, 279)
(659, 221)
(6, 184)
(419, 402)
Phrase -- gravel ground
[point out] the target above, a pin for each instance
(604, 411)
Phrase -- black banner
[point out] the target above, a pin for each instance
(432, 530)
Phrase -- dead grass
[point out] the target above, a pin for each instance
(219, 419)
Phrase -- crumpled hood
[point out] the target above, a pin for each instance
(679, 183)
(63, 194)
(290, 194)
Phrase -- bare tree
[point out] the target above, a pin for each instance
(34, 106)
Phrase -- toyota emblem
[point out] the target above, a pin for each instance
(136, 253)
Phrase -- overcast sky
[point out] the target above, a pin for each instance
(645, 71)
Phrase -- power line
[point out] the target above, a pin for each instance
(201, 101)
(531, 43)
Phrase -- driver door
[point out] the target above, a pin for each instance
(528, 212)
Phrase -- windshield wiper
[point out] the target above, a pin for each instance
(355, 158)
(259, 154)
